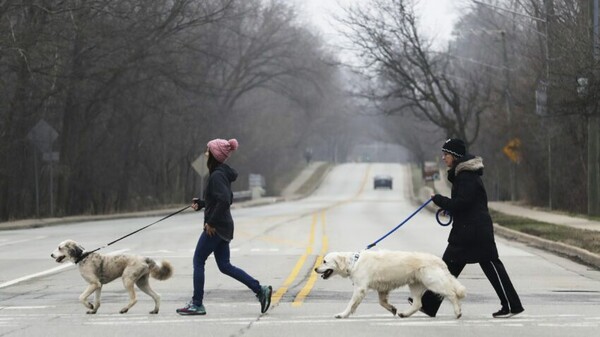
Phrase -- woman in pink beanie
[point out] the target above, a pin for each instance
(218, 229)
(221, 149)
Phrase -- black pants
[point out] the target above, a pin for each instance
(495, 272)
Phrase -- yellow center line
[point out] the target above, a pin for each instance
(313, 275)
(305, 291)
(299, 264)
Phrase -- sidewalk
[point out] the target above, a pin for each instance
(544, 216)
(292, 191)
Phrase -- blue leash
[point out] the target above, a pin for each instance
(437, 216)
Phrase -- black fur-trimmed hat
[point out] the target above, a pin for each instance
(455, 147)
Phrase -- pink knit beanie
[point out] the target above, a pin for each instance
(221, 149)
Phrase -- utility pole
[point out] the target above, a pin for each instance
(549, 9)
(594, 128)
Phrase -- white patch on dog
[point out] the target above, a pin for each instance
(385, 271)
(98, 269)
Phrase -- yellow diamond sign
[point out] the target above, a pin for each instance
(513, 150)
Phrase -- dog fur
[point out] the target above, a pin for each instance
(385, 271)
(98, 269)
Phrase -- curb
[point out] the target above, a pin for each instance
(572, 252)
(37, 223)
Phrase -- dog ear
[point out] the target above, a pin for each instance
(342, 262)
(76, 251)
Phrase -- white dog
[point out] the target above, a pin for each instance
(385, 271)
(98, 269)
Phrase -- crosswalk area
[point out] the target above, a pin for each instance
(14, 316)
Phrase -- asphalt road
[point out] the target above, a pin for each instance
(279, 244)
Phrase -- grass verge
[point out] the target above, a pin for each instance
(585, 239)
(314, 180)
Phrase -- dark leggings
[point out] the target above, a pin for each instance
(214, 244)
(495, 272)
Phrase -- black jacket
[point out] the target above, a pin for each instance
(471, 239)
(218, 197)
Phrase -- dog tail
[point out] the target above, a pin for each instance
(161, 271)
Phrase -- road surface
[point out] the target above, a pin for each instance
(280, 244)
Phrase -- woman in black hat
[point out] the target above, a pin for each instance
(471, 239)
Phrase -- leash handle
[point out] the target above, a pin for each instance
(155, 222)
(400, 225)
(443, 212)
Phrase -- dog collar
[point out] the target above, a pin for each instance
(82, 257)
(355, 258)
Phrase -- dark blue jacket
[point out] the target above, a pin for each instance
(471, 239)
(218, 198)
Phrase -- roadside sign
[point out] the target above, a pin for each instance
(199, 165)
(51, 157)
(541, 99)
(513, 150)
(43, 135)
(256, 180)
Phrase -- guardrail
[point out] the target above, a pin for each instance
(242, 195)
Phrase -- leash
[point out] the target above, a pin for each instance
(84, 255)
(444, 213)
(437, 216)
(400, 225)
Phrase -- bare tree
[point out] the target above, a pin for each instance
(409, 75)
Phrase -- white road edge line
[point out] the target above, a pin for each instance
(48, 272)
(29, 277)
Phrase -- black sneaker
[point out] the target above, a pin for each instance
(264, 296)
(423, 310)
(505, 313)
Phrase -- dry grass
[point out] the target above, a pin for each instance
(314, 180)
(585, 239)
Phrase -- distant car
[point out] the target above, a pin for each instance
(382, 180)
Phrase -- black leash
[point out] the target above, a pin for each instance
(84, 255)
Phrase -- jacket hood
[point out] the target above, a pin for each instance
(470, 163)
(230, 173)
(467, 163)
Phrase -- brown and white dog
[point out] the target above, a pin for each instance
(98, 269)
(385, 271)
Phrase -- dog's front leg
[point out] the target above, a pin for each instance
(97, 298)
(84, 296)
(357, 297)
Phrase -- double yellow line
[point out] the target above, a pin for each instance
(301, 296)
(302, 260)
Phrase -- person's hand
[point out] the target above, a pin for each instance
(196, 204)
(210, 230)
(437, 199)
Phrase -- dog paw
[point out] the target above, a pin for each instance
(394, 311)
(88, 305)
(124, 310)
(341, 315)
(153, 312)
(91, 312)
(459, 316)
(403, 315)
